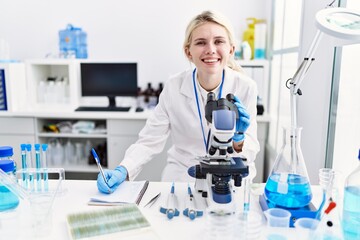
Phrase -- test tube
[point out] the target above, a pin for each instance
(44, 165)
(38, 166)
(23, 164)
(29, 164)
(246, 194)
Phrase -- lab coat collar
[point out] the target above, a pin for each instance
(187, 87)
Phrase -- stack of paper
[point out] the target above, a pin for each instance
(127, 192)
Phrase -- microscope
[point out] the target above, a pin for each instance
(216, 170)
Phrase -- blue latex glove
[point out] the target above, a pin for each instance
(242, 123)
(114, 179)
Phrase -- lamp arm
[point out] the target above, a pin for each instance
(300, 75)
(306, 63)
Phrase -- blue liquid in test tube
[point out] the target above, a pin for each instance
(29, 164)
(44, 165)
(38, 166)
(23, 164)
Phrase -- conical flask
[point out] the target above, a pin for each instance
(288, 183)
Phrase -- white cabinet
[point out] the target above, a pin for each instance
(15, 131)
(258, 70)
(52, 83)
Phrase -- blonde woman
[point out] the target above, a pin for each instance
(209, 46)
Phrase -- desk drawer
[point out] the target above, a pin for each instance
(17, 125)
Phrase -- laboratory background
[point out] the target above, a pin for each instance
(43, 92)
(151, 34)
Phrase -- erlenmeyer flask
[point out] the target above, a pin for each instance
(288, 183)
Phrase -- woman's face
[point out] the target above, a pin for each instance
(209, 48)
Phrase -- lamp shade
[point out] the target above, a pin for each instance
(341, 23)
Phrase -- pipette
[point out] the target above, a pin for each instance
(171, 205)
(190, 210)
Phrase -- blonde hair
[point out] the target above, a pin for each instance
(209, 16)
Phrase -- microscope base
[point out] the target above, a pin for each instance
(308, 211)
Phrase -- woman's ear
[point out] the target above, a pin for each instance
(188, 54)
(232, 50)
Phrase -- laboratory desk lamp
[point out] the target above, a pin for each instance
(340, 23)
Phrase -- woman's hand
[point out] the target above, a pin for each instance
(114, 179)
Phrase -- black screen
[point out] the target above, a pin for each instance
(108, 79)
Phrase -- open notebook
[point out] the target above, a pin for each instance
(127, 192)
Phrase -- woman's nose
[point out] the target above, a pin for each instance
(210, 49)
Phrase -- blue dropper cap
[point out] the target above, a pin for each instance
(23, 147)
(44, 147)
(37, 147)
(28, 147)
(359, 154)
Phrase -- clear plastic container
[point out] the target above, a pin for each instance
(73, 42)
(351, 206)
(8, 199)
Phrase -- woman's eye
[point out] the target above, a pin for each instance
(200, 43)
(219, 41)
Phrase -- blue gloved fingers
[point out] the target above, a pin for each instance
(101, 184)
(237, 99)
(244, 122)
(117, 177)
(242, 110)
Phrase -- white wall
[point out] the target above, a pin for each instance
(149, 32)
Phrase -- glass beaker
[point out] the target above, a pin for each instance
(288, 183)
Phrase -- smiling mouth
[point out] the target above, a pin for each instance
(211, 60)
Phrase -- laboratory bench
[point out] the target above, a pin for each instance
(76, 194)
(120, 130)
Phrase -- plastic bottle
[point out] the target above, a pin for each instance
(158, 91)
(87, 150)
(249, 33)
(351, 206)
(148, 93)
(260, 39)
(70, 152)
(8, 199)
(41, 91)
(246, 51)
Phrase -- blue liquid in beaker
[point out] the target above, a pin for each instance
(351, 214)
(8, 199)
(298, 192)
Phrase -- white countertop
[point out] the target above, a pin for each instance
(77, 194)
(131, 114)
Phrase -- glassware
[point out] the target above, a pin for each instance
(8, 199)
(220, 223)
(288, 183)
(277, 217)
(306, 227)
(249, 225)
(351, 206)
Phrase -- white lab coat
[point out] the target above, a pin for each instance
(177, 115)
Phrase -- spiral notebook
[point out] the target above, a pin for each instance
(127, 192)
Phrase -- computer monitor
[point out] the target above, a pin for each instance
(109, 80)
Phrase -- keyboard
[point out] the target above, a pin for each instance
(102, 109)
